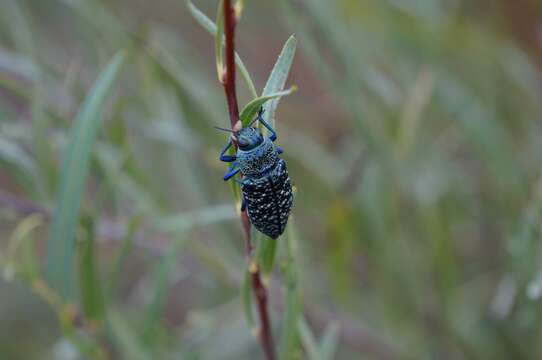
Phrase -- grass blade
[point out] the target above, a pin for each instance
(161, 279)
(308, 340)
(293, 306)
(246, 299)
(278, 77)
(11, 153)
(60, 246)
(125, 339)
(19, 241)
(91, 295)
(328, 346)
(123, 251)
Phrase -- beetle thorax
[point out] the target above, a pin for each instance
(255, 162)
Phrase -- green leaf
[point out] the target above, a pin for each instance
(18, 26)
(251, 109)
(219, 34)
(91, 292)
(125, 339)
(20, 241)
(13, 154)
(308, 340)
(160, 281)
(60, 247)
(22, 166)
(328, 346)
(246, 298)
(277, 79)
(293, 304)
(122, 254)
(267, 254)
(211, 28)
(41, 144)
(124, 182)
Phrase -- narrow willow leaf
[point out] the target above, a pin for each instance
(267, 254)
(239, 7)
(308, 340)
(41, 145)
(16, 19)
(125, 339)
(278, 77)
(246, 298)
(251, 109)
(328, 346)
(73, 175)
(293, 306)
(17, 240)
(219, 34)
(13, 154)
(122, 254)
(124, 182)
(210, 26)
(91, 295)
(160, 284)
(31, 266)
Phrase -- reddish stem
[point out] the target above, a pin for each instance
(229, 76)
(260, 292)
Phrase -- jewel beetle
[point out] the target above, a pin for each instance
(265, 184)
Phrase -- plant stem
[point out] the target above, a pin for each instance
(229, 80)
(258, 288)
(260, 292)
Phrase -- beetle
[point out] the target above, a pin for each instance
(265, 184)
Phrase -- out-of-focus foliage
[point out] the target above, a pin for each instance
(414, 143)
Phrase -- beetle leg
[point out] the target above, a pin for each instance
(232, 171)
(279, 150)
(243, 205)
(273, 136)
(227, 158)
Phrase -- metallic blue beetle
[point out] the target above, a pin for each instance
(266, 186)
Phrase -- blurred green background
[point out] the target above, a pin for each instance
(414, 141)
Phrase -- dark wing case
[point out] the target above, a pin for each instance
(269, 200)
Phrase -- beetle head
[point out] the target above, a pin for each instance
(248, 138)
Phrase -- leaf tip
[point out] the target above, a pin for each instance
(238, 10)
(191, 7)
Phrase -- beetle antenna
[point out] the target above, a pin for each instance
(253, 121)
(223, 129)
(259, 117)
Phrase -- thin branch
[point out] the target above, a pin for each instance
(229, 76)
(258, 288)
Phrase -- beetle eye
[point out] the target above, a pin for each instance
(241, 141)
